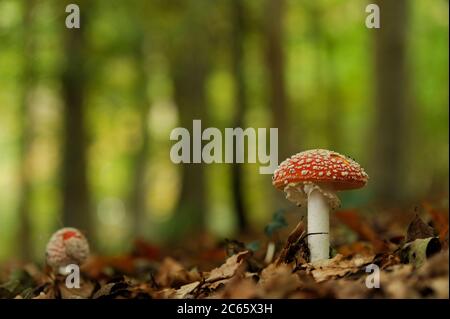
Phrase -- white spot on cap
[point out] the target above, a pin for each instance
(304, 172)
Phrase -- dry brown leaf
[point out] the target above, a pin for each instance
(417, 229)
(172, 274)
(95, 266)
(84, 292)
(238, 288)
(396, 282)
(338, 266)
(440, 222)
(361, 248)
(295, 244)
(47, 293)
(352, 219)
(185, 290)
(166, 293)
(230, 268)
(278, 281)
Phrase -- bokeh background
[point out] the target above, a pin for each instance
(85, 115)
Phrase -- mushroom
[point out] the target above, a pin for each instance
(66, 246)
(314, 177)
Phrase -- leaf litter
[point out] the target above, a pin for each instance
(412, 264)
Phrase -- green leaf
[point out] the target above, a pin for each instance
(417, 251)
(278, 222)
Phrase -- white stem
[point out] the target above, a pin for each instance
(318, 226)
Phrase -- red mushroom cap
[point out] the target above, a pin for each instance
(322, 167)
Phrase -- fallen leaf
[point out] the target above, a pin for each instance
(229, 269)
(417, 229)
(84, 292)
(238, 288)
(172, 274)
(278, 281)
(295, 243)
(19, 281)
(440, 222)
(360, 248)
(338, 266)
(352, 219)
(185, 290)
(417, 251)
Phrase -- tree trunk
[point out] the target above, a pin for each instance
(137, 197)
(333, 98)
(237, 41)
(276, 75)
(26, 128)
(75, 191)
(189, 68)
(328, 93)
(390, 99)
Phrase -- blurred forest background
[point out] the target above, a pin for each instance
(85, 114)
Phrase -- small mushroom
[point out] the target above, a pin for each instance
(66, 246)
(314, 177)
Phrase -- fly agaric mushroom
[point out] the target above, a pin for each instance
(314, 176)
(66, 246)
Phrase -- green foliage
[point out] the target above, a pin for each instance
(278, 222)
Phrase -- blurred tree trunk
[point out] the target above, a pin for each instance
(333, 97)
(390, 98)
(328, 93)
(26, 128)
(75, 191)
(137, 197)
(189, 68)
(237, 42)
(275, 63)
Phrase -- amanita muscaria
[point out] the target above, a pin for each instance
(66, 246)
(314, 177)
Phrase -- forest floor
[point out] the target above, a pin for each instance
(410, 250)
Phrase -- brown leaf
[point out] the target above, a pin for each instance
(338, 266)
(295, 243)
(352, 219)
(145, 250)
(360, 248)
(417, 229)
(229, 269)
(278, 281)
(164, 293)
(84, 292)
(172, 274)
(185, 290)
(95, 266)
(440, 222)
(238, 288)
(49, 294)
